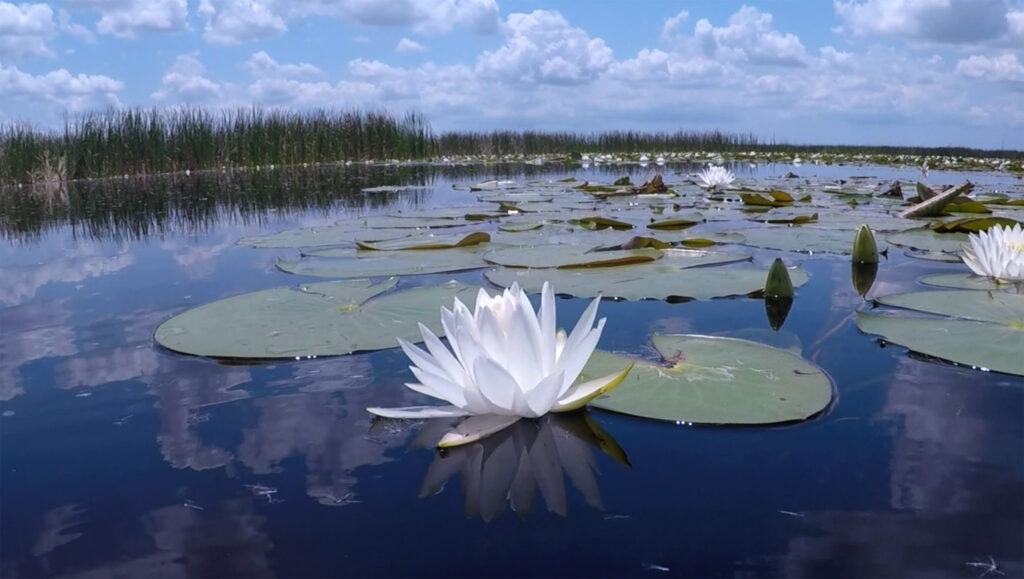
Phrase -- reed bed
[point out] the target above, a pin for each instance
(144, 142)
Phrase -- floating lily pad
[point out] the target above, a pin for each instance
(322, 319)
(377, 228)
(350, 263)
(933, 256)
(713, 380)
(965, 281)
(676, 223)
(660, 280)
(986, 345)
(428, 242)
(989, 333)
(927, 240)
(800, 239)
(568, 256)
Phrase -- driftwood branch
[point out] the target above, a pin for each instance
(933, 207)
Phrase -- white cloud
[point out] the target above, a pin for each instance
(542, 47)
(749, 36)
(25, 30)
(1004, 67)
(946, 21)
(261, 65)
(236, 21)
(425, 16)
(1015, 23)
(186, 82)
(126, 18)
(61, 88)
(407, 46)
(670, 29)
(72, 29)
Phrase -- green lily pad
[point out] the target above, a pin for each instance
(568, 256)
(802, 239)
(377, 228)
(427, 242)
(598, 223)
(998, 308)
(659, 280)
(985, 345)
(350, 263)
(676, 223)
(965, 281)
(933, 256)
(322, 319)
(713, 380)
(925, 239)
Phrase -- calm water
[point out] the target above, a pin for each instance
(119, 458)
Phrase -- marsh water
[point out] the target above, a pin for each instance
(121, 458)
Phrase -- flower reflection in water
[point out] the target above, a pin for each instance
(508, 468)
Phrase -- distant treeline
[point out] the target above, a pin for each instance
(135, 142)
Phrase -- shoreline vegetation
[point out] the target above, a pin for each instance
(119, 143)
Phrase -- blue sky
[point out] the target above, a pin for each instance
(895, 72)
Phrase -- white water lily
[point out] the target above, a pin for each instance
(714, 177)
(506, 362)
(996, 253)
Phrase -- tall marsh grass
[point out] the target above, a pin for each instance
(142, 142)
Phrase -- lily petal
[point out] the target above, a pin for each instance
(417, 412)
(582, 394)
(544, 396)
(475, 428)
(496, 384)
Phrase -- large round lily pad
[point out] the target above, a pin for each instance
(988, 334)
(322, 319)
(714, 380)
(568, 256)
(801, 238)
(659, 280)
(926, 239)
(967, 281)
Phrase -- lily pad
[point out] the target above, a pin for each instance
(927, 240)
(800, 239)
(965, 281)
(427, 242)
(568, 256)
(660, 280)
(714, 380)
(379, 228)
(985, 345)
(998, 308)
(322, 319)
(349, 263)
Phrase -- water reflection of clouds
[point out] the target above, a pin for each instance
(32, 331)
(225, 540)
(955, 480)
(20, 284)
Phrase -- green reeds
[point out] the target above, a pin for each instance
(140, 142)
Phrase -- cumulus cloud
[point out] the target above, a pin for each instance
(750, 36)
(126, 18)
(1002, 68)
(1015, 23)
(670, 29)
(542, 47)
(946, 21)
(236, 21)
(260, 65)
(186, 82)
(72, 29)
(60, 87)
(25, 30)
(407, 46)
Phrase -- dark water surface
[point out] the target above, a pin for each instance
(119, 458)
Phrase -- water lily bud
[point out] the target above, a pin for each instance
(864, 248)
(778, 284)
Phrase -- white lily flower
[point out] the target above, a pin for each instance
(506, 362)
(996, 253)
(714, 177)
